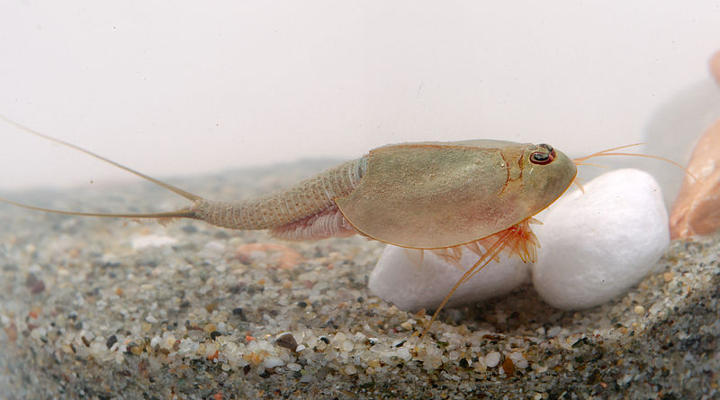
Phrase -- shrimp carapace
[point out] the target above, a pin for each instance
(438, 195)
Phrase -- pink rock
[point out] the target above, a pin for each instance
(715, 66)
(697, 208)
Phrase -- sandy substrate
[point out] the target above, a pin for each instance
(98, 308)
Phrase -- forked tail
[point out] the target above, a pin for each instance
(182, 213)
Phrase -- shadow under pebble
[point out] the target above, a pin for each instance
(102, 308)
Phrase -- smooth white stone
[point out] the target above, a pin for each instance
(597, 245)
(401, 278)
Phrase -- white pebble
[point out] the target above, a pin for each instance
(412, 283)
(272, 362)
(492, 359)
(597, 245)
(186, 347)
(403, 354)
(168, 342)
(214, 247)
(554, 331)
(142, 242)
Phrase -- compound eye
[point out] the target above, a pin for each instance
(540, 158)
(543, 157)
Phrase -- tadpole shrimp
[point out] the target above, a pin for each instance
(479, 195)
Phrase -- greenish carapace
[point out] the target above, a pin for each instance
(438, 195)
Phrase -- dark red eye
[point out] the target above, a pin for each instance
(543, 157)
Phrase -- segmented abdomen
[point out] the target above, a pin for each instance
(309, 197)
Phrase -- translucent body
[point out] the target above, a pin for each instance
(433, 195)
(308, 198)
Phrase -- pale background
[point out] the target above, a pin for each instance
(179, 87)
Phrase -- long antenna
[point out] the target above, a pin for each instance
(182, 213)
(187, 195)
(612, 152)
